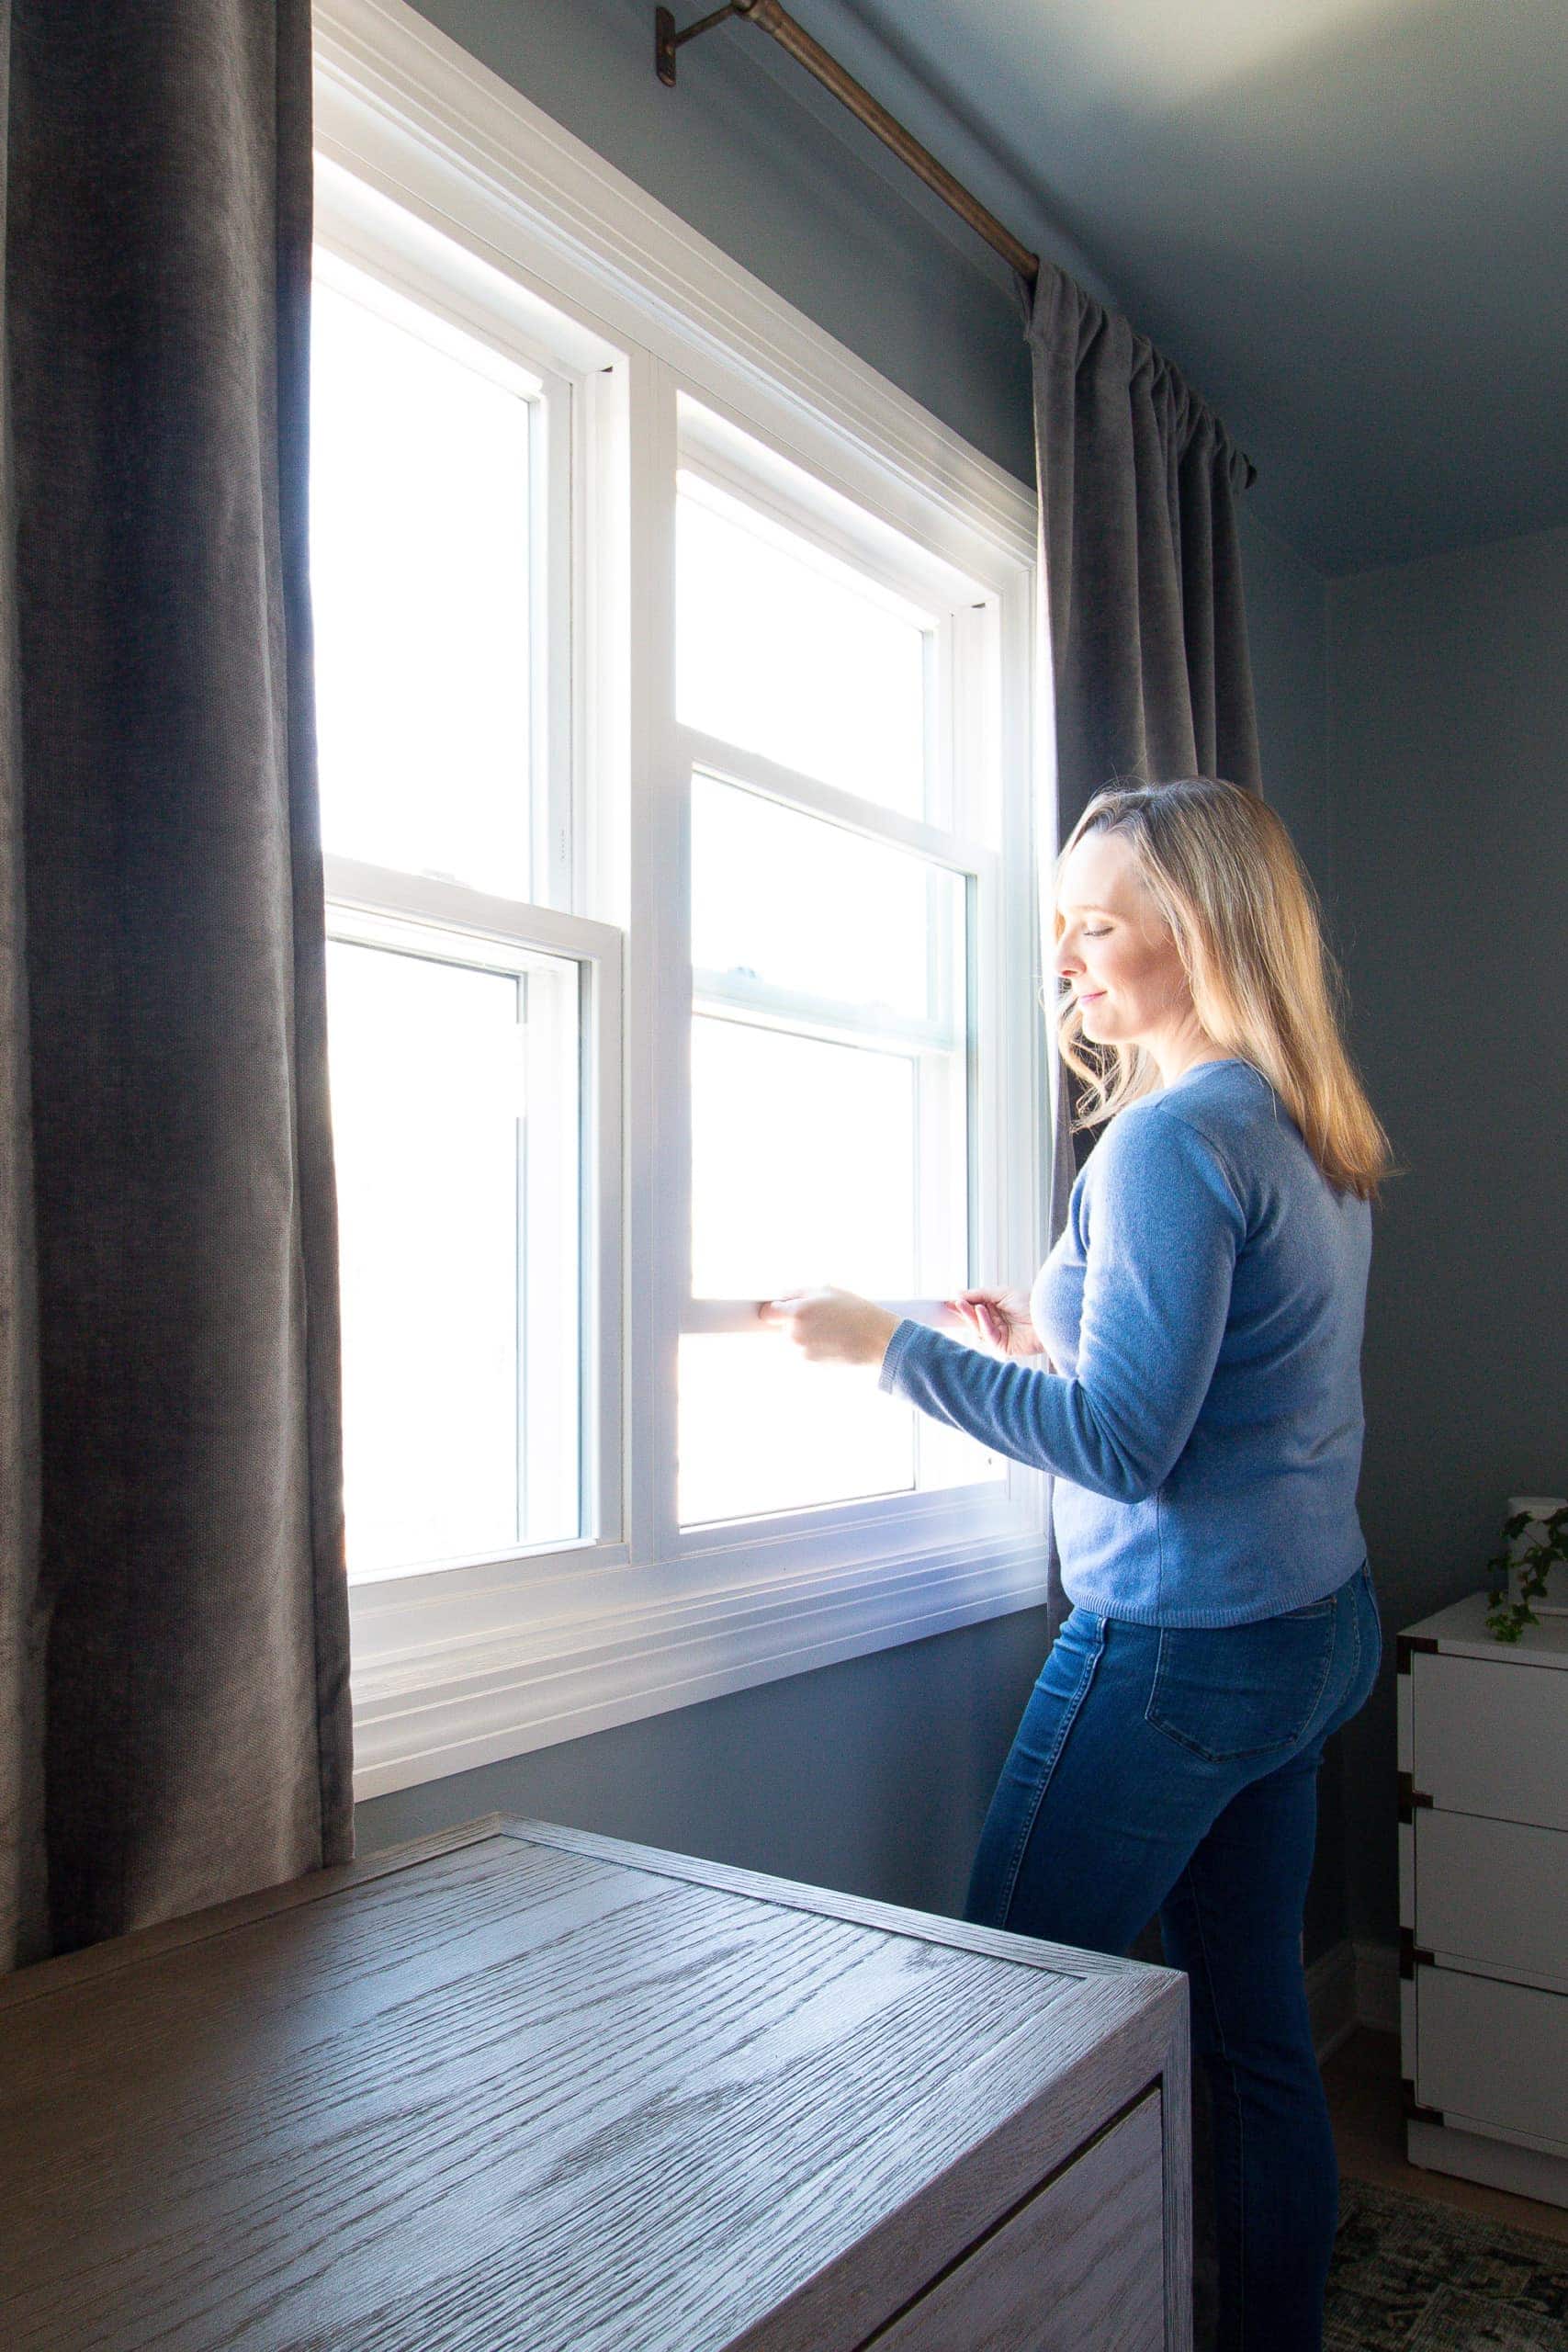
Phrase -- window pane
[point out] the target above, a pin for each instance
(804, 1158)
(784, 651)
(762, 1430)
(810, 907)
(829, 1136)
(419, 579)
(444, 1140)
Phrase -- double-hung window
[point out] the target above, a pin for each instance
(673, 690)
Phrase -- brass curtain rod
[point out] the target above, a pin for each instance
(769, 18)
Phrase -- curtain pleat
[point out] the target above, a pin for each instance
(174, 1639)
(1143, 617)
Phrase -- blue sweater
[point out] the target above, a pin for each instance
(1202, 1311)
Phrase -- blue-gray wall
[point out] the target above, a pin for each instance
(1449, 716)
(872, 1775)
(1285, 627)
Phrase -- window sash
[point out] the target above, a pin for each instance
(979, 869)
(376, 906)
(363, 232)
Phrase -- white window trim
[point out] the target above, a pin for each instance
(461, 1666)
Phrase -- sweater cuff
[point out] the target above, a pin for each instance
(898, 1344)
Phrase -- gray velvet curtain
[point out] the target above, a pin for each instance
(1147, 630)
(174, 1646)
(1139, 482)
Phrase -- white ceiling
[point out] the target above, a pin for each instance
(1346, 221)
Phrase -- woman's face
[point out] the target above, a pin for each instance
(1115, 950)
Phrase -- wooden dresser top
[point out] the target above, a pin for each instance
(519, 2084)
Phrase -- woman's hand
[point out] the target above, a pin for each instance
(831, 1326)
(1002, 1318)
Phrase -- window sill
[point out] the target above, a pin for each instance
(450, 1704)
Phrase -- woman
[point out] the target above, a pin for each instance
(1200, 1318)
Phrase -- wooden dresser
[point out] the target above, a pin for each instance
(521, 2089)
(1484, 1898)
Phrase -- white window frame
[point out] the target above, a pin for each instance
(622, 308)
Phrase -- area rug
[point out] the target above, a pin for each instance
(1409, 2275)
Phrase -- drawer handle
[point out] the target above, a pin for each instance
(1411, 1953)
(1410, 1797)
(1415, 2111)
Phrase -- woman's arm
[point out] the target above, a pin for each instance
(1163, 1228)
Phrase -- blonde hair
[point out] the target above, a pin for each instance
(1223, 873)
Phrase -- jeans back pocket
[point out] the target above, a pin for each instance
(1229, 1691)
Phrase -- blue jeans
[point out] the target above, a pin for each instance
(1174, 1769)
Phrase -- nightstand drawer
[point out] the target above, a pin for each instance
(1492, 1891)
(1493, 2057)
(1489, 1736)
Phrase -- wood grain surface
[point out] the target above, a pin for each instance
(523, 2086)
(1093, 2231)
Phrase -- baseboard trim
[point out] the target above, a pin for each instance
(1352, 1984)
(1377, 1985)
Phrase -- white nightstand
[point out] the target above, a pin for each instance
(1483, 1899)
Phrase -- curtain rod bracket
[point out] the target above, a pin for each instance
(667, 40)
(769, 18)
